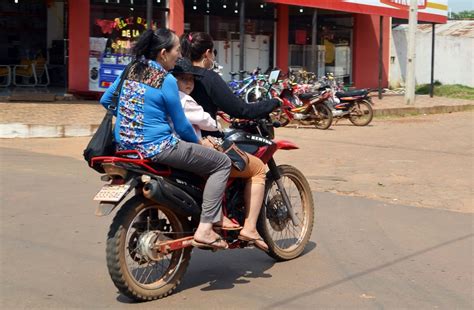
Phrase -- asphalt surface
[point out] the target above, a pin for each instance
(363, 254)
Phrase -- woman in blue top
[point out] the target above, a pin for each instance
(149, 100)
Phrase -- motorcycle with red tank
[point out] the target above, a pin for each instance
(306, 108)
(149, 241)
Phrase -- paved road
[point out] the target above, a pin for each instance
(425, 161)
(363, 253)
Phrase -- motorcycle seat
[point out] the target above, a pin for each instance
(352, 93)
(306, 96)
(176, 172)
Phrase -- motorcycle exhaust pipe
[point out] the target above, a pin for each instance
(167, 194)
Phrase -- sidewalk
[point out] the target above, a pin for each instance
(81, 118)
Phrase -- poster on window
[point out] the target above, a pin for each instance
(110, 54)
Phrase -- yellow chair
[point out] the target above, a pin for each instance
(41, 70)
(26, 69)
(6, 74)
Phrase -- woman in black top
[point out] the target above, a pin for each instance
(213, 94)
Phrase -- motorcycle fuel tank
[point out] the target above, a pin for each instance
(248, 142)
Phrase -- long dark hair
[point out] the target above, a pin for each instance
(150, 43)
(195, 44)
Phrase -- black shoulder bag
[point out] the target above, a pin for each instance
(102, 142)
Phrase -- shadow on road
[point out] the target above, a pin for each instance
(281, 303)
(225, 270)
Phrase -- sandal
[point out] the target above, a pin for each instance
(222, 226)
(219, 227)
(210, 245)
(256, 242)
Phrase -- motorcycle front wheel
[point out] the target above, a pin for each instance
(256, 93)
(138, 271)
(361, 113)
(322, 117)
(280, 116)
(285, 240)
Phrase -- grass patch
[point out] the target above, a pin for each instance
(452, 91)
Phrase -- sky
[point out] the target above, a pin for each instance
(460, 5)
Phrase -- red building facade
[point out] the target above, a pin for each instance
(365, 33)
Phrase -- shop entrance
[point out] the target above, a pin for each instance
(221, 19)
(32, 46)
(333, 40)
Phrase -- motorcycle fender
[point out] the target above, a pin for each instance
(285, 145)
(104, 208)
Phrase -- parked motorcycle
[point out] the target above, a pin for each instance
(149, 240)
(355, 105)
(307, 108)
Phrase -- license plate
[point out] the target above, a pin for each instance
(111, 192)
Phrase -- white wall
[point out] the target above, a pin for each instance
(454, 58)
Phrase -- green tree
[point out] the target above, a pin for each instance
(462, 15)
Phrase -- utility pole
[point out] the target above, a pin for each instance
(242, 37)
(149, 14)
(411, 53)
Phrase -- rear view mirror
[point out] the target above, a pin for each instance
(273, 78)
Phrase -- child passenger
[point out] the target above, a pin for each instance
(254, 173)
(199, 119)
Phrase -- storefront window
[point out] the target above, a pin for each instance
(333, 40)
(115, 27)
(221, 19)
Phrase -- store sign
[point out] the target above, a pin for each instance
(428, 10)
(109, 55)
(404, 3)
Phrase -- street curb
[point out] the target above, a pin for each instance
(404, 111)
(19, 130)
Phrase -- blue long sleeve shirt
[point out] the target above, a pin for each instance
(146, 104)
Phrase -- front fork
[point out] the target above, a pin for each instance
(277, 177)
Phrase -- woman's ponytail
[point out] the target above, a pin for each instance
(195, 44)
(142, 46)
(149, 45)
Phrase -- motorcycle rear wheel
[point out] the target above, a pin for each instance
(361, 114)
(323, 118)
(286, 241)
(133, 272)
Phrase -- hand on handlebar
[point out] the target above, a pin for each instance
(280, 101)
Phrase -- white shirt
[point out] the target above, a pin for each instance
(197, 117)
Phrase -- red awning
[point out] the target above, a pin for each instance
(434, 11)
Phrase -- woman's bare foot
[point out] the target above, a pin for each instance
(209, 238)
(227, 223)
(253, 237)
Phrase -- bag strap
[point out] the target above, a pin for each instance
(116, 93)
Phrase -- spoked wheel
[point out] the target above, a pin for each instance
(137, 270)
(256, 93)
(361, 113)
(280, 116)
(285, 240)
(322, 116)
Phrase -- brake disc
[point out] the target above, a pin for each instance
(277, 213)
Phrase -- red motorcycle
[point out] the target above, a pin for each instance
(149, 240)
(306, 108)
